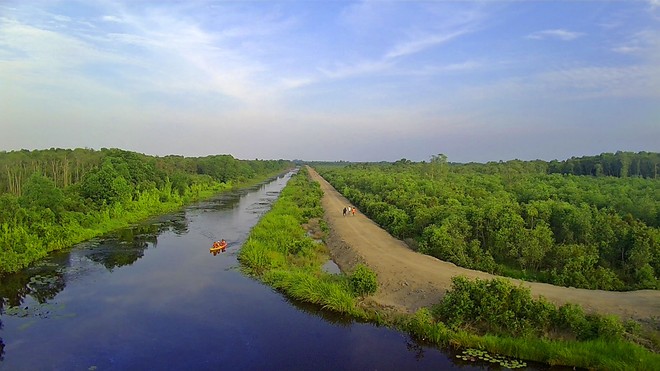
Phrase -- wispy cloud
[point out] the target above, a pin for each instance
(431, 70)
(112, 18)
(418, 44)
(557, 34)
(442, 23)
(569, 84)
(595, 81)
(341, 71)
(638, 43)
(391, 58)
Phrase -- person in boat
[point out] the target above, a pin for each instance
(223, 244)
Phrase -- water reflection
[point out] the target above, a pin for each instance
(46, 278)
(326, 315)
(42, 281)
(2, 344)
(126, 246)
(415, 348)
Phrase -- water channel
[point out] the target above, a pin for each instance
(153, 297)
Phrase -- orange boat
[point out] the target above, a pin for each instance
(219, 246)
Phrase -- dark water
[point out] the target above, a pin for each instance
(153, 297)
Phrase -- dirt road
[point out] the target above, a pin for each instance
(409, 280)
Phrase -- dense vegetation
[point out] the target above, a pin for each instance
(513, 218)
(493, 315)
(51, 199)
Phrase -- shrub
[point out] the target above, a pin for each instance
(363, 281)
(492, 305)
(498, 306)
(608, 327)
(571, 317)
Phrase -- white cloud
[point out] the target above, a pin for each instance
(421, 43)
(360, 68)
(639, 43)
(558, 34)
(438, 69)
(295, 83)
(626, 49)
(113, 19)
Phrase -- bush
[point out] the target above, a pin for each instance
(498, 306)
(363, 281)
(492, 305)
(608, 327)
(571, 317)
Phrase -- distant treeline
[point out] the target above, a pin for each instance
(65, 167)
(619, 164)
(51, 199)
(513, 218)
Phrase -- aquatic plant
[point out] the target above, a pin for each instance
(473, 355)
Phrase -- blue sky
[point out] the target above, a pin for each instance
(332, 80)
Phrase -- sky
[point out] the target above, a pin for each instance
(477, 81)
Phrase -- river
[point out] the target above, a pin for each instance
(153, 297)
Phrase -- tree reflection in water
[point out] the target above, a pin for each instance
(126, 246)
(2, 345)
(46, 278)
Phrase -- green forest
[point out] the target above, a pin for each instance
(590, 222)
(52, 199)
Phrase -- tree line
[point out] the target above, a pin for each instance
(51, 199)
(619, 164)
(516, 219)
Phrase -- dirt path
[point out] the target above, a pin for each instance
(409, 280)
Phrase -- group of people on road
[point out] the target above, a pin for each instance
(350, 210)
